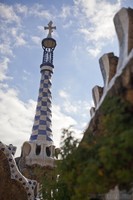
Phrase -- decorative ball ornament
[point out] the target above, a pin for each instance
(48, 43)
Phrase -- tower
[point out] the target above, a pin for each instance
(40, 149)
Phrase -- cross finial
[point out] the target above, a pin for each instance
(50, 28)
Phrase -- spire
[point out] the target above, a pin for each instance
(41, 131)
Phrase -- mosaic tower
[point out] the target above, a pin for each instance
(42, 123)
(40, 148)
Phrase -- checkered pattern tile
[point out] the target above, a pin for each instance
(42, 122)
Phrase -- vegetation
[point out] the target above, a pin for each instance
(102, 160)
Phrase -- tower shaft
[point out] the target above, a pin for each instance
(42, 122)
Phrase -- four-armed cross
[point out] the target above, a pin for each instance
(50, 28)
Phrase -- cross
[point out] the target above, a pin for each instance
(50, 28)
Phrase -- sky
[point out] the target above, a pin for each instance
(85, 31)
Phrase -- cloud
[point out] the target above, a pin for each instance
(68, 24)
(26, 75)
(11, 31)
(16, 117)
(72, 106)
(96, 22)
(67, 106)
(11, 37)
(95, 51)
(63, 94)
(77, 109)
(59, 122)
(8, 14)
(21, 9)
(86, 5)
(70, 113)
(3, 69)
(36, 40)
(65, 11)
(20, 41)
(38, 10)
(5, 49)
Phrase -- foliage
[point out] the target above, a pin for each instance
(108, 159)
(55, 183)
(66, 166)
(103, 159)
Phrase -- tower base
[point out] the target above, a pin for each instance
(34, 153)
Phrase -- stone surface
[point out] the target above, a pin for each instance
(97, 92)
(39, 154)
(123, 21)
(13, 185)
(9, 189)
(108, 64)
(92, 111)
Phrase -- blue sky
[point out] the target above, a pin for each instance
(85, 31)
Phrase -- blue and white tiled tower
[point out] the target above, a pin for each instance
(42, 122)
(40, 149)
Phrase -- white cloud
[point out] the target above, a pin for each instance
(63, 94)
(20, 41)
(86, 5)
(11, 37)
(36, 39)
(67, 106)
(68, 24)
(60, 121)
(7, 14)
(95, 51)
(3, 69)
(96, 21)
(16, 117)
(41, 29)
(5, 49)
(38, 10)
(22, 9)
(76, 51)
(10, 30)
(71, 106)
(66, 115)
(18, 36)
(65, 12)
(26, 75)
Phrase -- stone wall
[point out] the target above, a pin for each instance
(13, 185)
(118, 82)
